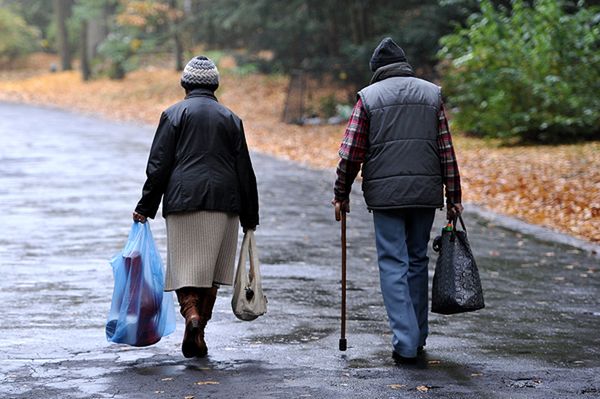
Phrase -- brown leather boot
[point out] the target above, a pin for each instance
(205, 308)
(189, 298)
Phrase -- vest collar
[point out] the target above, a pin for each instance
(392, 70)
(201, 92)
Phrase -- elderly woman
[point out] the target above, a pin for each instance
(199, 165)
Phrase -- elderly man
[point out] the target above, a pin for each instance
(399, 134)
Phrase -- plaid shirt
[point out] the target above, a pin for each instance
(353, 151)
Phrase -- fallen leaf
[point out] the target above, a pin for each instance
(476, 375)
(167, 379)
(159, 392)
(188, 397)
(551, 186)
(434, 362)
(397, 386)
(207, 383)
(422, 388)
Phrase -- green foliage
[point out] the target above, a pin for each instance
(117, 50)
(16, 37)
(529, 74)
(327, 105)
(34, 12)
(136, 27)
(327, 36)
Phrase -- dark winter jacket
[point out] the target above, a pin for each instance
(402, 167)
(199, 161)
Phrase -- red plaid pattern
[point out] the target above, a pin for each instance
(355, 142)
(354, 147)
(450, 175)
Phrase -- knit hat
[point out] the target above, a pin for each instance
(387, 52)
(200, 72)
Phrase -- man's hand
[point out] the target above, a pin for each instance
(340, 206)
(138, 217)
(453, 211)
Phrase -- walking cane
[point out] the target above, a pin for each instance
(341, 215)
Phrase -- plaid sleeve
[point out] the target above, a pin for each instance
(346, 173)
(355, 142)
(450, 174)
(352, 151)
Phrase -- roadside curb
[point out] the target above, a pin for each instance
(539, 232)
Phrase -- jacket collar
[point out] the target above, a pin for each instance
(392, 70)
(201, 92)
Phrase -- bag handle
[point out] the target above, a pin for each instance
(454, 226)
(254, 270)
(462, 223)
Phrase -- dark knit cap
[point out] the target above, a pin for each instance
(387, 52)
(200, 72)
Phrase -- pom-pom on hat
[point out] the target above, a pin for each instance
(387, 52)
(200, 72)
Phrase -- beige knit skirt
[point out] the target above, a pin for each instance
(201, 249)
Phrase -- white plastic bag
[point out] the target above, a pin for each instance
(248, 301)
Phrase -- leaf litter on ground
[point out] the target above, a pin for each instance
(554, 186)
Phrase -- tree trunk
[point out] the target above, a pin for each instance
(62, 11)
(97, 32)
(360, 21)
(178, 52)
(177, 46)
(85, 64)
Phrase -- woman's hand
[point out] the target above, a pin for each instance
(245, 229)
(138, 217)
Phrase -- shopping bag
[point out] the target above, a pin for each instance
(456, 283)
(248, 300)
(140, 313)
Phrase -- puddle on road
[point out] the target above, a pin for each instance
(298, 335)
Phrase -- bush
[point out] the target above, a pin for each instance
(118, 50)
(16, 37)
(530, 74)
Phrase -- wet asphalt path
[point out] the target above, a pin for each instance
(68, 184)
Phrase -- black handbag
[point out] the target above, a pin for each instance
(456, 283)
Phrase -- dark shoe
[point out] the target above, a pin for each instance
(201, 349)
(191, 346)
(403, 360)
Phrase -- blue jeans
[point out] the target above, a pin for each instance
(402, 237)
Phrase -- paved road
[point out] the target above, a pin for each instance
(67, 186)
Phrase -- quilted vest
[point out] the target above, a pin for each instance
(402, 167)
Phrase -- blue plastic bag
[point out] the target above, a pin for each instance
(140, 313)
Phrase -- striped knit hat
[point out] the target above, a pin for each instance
(200, 72)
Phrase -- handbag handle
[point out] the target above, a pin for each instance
(454, 225)
(462, 223)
